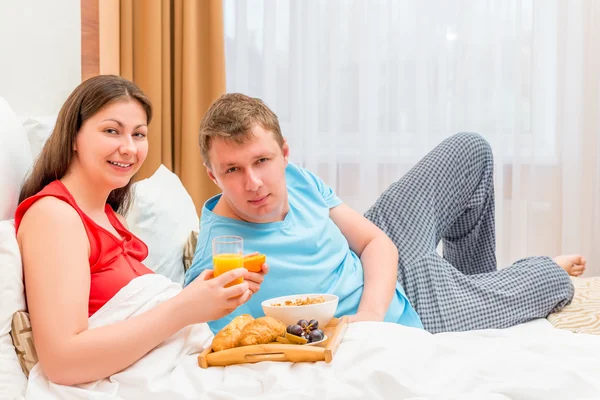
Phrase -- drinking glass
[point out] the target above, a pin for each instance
(227, 254)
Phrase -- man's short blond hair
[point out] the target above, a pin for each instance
(232, 117)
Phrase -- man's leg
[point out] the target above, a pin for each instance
(449, 195)
(449, 301)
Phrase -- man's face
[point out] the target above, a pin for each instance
(251, 175)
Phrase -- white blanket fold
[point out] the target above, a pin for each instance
(374, 361)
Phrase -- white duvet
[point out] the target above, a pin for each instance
(374, 361)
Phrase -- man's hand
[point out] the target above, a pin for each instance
(255, 279)
(365, 316)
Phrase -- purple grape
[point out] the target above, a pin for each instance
(296, 330)
(303, 323)
(315, 336)
(288, 329)
(313, 324)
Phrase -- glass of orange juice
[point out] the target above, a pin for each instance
(228, 254)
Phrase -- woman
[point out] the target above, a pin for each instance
(76, 249)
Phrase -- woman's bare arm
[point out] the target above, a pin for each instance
(55, 253)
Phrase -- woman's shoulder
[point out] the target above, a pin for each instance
(48, 223)
(50, 211)
(53, 189)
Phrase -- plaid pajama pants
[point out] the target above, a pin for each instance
(449, 196)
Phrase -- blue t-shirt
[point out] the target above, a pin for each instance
(306, 252)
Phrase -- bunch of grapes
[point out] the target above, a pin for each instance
(308, 330)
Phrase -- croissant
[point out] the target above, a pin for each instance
(229, 336)
(261, 331)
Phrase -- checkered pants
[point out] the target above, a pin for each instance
(449, 196)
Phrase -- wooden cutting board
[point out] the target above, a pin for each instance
(275, 351)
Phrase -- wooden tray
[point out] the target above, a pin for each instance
(323, 351)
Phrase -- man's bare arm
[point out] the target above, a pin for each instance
(379, 257)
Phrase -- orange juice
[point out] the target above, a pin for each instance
(226, 262)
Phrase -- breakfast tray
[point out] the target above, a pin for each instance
(324, 351)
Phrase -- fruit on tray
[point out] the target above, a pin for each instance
(293, 339)
(306, 331)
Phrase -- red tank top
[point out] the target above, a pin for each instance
(113, 262)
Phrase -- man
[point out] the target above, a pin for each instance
(384, 265)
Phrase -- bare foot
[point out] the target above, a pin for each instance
(574, 264)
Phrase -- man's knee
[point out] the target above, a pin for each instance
(472, 146)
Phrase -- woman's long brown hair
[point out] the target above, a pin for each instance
(85, 101)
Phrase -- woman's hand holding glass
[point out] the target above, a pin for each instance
(216, 293)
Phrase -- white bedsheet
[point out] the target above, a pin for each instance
(374, 361)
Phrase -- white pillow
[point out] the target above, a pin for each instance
(37, 130)
(13, 381)
(163, 216)
(15, 160)
(11, 276)
(12, 378)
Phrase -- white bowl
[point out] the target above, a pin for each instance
(290, 315)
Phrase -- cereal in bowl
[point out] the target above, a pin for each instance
(301, 301)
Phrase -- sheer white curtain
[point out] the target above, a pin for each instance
(365, 88)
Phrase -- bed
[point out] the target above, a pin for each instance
(374, 360)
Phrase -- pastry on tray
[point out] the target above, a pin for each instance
(261, 331)
(229, 336)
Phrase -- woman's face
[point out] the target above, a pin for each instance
(111, 146)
